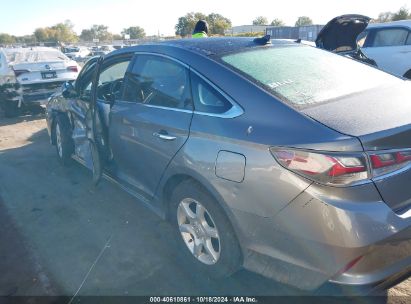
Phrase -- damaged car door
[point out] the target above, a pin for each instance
(150, 122)
(79, 94)
(106, 91)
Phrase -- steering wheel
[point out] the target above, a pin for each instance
(116, 86)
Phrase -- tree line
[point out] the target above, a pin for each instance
(218, 24)
(402, 14)
(64, 32)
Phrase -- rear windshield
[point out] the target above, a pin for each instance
(303, 75)
(32, 56)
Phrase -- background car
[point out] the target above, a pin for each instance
(389, 44)
(77, 53)
(281, 158)
(102, 50)
(29, 76)
(339, 36)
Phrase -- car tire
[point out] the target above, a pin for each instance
(63, 141)
(220, 254)
(11, 108)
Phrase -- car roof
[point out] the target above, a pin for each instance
(209, 46)
(406, 23)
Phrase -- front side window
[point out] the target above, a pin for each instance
(83, 81)
(111, 79)
(206, 98)
(390, 37)
(158, 81)
(113, 72)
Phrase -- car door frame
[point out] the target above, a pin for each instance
(145, 196)
(96, 152)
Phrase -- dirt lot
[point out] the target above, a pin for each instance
(61, 236)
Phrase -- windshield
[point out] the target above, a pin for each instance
(303, 75)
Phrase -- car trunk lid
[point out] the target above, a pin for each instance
(44, 72)
(381, 119)
(41, 66)
(340, 34)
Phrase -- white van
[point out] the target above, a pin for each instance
(389, 44)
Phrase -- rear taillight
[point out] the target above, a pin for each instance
(330, 168)
(20, 72)
(72, 69)
(341, 169)
(383, 163)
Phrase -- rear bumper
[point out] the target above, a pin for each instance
(32, 94)
(386, 264)
(39, 93)
(310, 243)
(370, 288)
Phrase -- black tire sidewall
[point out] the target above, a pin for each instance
(67, 145)
(230, 253)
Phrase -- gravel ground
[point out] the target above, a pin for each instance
(65, 237)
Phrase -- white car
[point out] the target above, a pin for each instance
(29, 76)
(389, 44)
(77, 53)
(103, 50)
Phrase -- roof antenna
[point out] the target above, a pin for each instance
(263, 40)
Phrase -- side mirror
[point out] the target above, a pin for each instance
(68, 90)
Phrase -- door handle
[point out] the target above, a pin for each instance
(164, 135)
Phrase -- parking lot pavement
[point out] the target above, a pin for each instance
(59, 235)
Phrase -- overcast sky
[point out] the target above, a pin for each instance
(21, 17)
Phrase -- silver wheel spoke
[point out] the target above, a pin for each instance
(200, 211)
(58, 140)
(208, 246)
(185, 207)
(187, 228)
(198, 246)
(211, 232)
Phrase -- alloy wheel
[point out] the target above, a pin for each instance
(199, 231)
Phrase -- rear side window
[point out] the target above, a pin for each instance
(206, 98)
(390, 37)
(408, 42)
(304, 75)
(158, 81)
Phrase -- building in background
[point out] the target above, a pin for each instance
(283, 32)
(241, 29)
(306, 32)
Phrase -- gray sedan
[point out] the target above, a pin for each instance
(284, 159)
